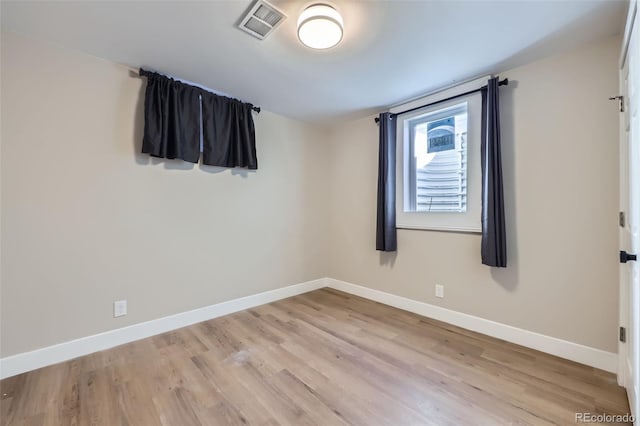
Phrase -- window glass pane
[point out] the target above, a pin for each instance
(438, 161)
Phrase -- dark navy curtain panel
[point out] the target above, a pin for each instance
(177, 115)
(494, 238)
(228, 133)
(386, 222)
(171, 119)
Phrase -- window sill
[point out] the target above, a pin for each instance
(466, 230)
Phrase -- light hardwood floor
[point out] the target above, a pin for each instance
(323, 358)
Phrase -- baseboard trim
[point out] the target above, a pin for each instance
(582, 354)
(28, 361)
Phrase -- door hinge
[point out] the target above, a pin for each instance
(623, 334)
(620, 99)
(622, 220)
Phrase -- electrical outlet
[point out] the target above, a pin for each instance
(119, 308)
(439, 291)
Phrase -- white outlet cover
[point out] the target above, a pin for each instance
(119, 308)
(439, 291)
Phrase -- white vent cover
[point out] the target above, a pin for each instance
(261, 19)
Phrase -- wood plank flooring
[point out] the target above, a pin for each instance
(322, 358)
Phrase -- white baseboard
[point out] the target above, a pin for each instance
(593, 357)
(27, 361)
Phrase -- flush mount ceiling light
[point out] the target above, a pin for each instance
(320, 26)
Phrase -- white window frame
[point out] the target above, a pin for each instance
(469, 221)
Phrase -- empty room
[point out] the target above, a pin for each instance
(300, 212)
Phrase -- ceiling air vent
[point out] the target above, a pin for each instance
(261, 19)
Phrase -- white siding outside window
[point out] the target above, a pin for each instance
(438, 178)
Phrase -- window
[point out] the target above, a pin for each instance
(437, 172)
(438, 163)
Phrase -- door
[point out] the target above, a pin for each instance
(629, 351)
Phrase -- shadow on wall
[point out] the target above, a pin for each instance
(563, 39)
(508, 277)
(388, 258)
(145, 159)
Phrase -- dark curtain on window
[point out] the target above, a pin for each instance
(171, 119)
(177, 115)
(386, 222)
(494, 239)
(228, 133)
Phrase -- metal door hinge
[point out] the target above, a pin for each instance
(621, 219)
(623, 334)
(620, 99)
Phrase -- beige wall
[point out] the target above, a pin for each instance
(560, 157)
(86, 220)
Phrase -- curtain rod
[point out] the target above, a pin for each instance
(504, 82)
(142, 73)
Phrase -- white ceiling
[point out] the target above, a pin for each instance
(391, 51)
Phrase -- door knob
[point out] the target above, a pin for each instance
(625, 257)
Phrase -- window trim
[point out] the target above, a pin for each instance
(469, 222)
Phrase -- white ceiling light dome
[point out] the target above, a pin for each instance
(320, 26)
